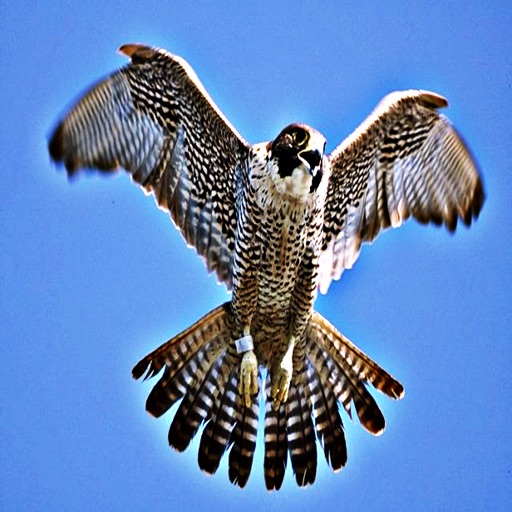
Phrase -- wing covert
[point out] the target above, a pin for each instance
(404, 160)
(155, 119)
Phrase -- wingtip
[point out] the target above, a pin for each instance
(136, 51)
(57, 150)
(470, 211)
(55, 146)
(432, 100)
(478, 199)
(130, 48)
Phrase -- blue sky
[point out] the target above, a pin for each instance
(93, 275)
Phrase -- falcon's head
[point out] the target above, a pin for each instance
(298, 156)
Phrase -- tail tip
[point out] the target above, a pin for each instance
(398, 391)
(140, 369)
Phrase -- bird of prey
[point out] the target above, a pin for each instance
(276, 221)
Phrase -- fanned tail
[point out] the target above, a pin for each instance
(339, 372)
(201, 366)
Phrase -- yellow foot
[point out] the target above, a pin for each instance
(281, 377)
(248, 382)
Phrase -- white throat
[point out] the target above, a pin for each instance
(298, 185)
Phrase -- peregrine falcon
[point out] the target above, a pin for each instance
(276, 221)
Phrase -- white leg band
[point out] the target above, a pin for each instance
(244, 344)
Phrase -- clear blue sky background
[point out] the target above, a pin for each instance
(93, 276)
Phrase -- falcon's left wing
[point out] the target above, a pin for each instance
(155, 119)
(405, 159)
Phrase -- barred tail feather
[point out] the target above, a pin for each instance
(328, 423)
(345, 352)
(243, 441)
(185, 344)
(217, 432)
(196, 365)
(349, 388)
(198, 401)
(276, 442)
(346, 369)
(301, 431)
(201, 365)
(183, 357)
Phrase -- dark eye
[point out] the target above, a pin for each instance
(300, 136)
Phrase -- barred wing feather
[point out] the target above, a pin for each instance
(155, 119)
(405, 160)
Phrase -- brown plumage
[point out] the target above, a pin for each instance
(276, 221)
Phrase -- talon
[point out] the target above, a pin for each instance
(248, 382)
(281, 379)
(282, 376)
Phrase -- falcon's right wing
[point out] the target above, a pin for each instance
(154, 118)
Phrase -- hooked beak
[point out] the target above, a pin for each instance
(313, 158)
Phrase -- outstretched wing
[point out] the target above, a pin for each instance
(405, 159)
(155, 119)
